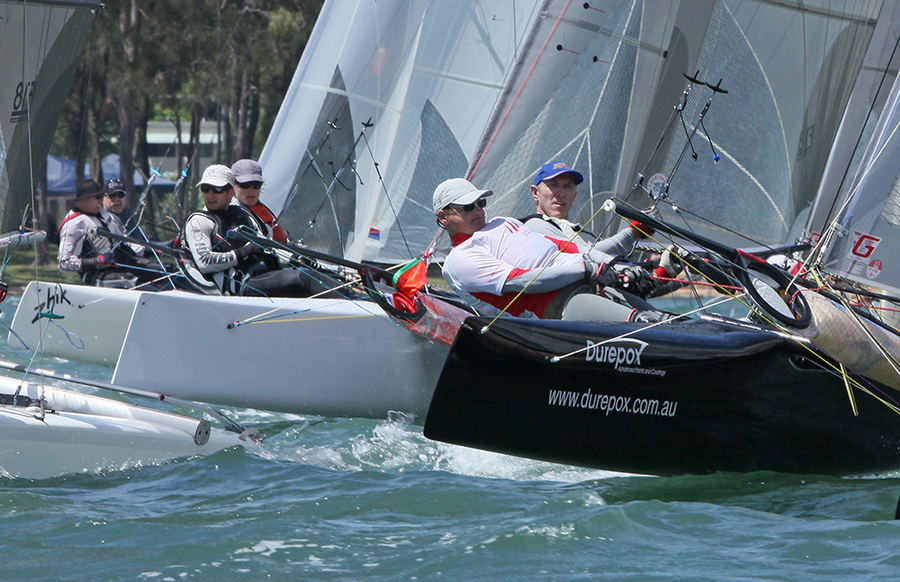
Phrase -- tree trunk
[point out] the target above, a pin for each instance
(129, 22)
(93, 149)
(191, 200)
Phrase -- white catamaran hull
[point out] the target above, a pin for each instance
(83, 433)
(92, 327)
(311, 356)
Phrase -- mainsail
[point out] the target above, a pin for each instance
(40, 42)
(420, 91)
(866, 103)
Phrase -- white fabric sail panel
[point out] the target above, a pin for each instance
(40, 42)
(866, 103)
(391, 64)
(866, 246)
(789, 69)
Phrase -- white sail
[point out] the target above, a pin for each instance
(40, 42)
(876, 77)
(493, 90)
(789, 69)
(868, 233)
(426, 75)
(591, 89)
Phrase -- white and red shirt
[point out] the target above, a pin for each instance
(481, 264)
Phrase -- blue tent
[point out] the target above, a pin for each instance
(61, 175)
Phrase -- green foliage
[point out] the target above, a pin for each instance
(20, 270)
(176, 59)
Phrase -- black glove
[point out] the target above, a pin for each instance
(603, 274)
(248, 249)
(101, 259)
(635, 279)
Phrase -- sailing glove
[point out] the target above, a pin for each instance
(101, 259)
(671, 262)
(246, 250)
(634, 279)
(640, 231)
(604, 274)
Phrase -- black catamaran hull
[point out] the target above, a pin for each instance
(694, 397)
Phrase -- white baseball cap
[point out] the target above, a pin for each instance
(457, 191)
(217, 175)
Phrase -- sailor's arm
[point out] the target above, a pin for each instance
(71, 240)
(544, 279)
(199, 232)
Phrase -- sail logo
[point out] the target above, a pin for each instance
(624, 351)
(874, 269)
(864, 246)
(22, 102)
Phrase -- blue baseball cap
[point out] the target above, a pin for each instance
(554, 169)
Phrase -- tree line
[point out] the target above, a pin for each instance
(183, 61)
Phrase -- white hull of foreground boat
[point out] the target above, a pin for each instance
(83, 433)
(308, 356)
(92, 321)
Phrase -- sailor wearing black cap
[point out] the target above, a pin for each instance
(114, 198)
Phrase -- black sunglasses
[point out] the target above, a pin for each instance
(254, 185)
(480, 203)
(205, 188)
(116, 195)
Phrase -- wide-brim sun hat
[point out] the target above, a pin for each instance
(457, 191)
(87, 189)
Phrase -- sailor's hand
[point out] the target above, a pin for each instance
(672, 261)
(248, 249)
(634, 279)
(640, 231)
(101, 259)
(603, 274)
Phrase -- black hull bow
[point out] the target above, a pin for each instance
(691, 397)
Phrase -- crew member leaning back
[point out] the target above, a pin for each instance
(240, 268)
(491, 261)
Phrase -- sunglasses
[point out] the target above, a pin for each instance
(254, 185)
(97, 197)
(465, 208)
(117, 195)
(205, 188)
